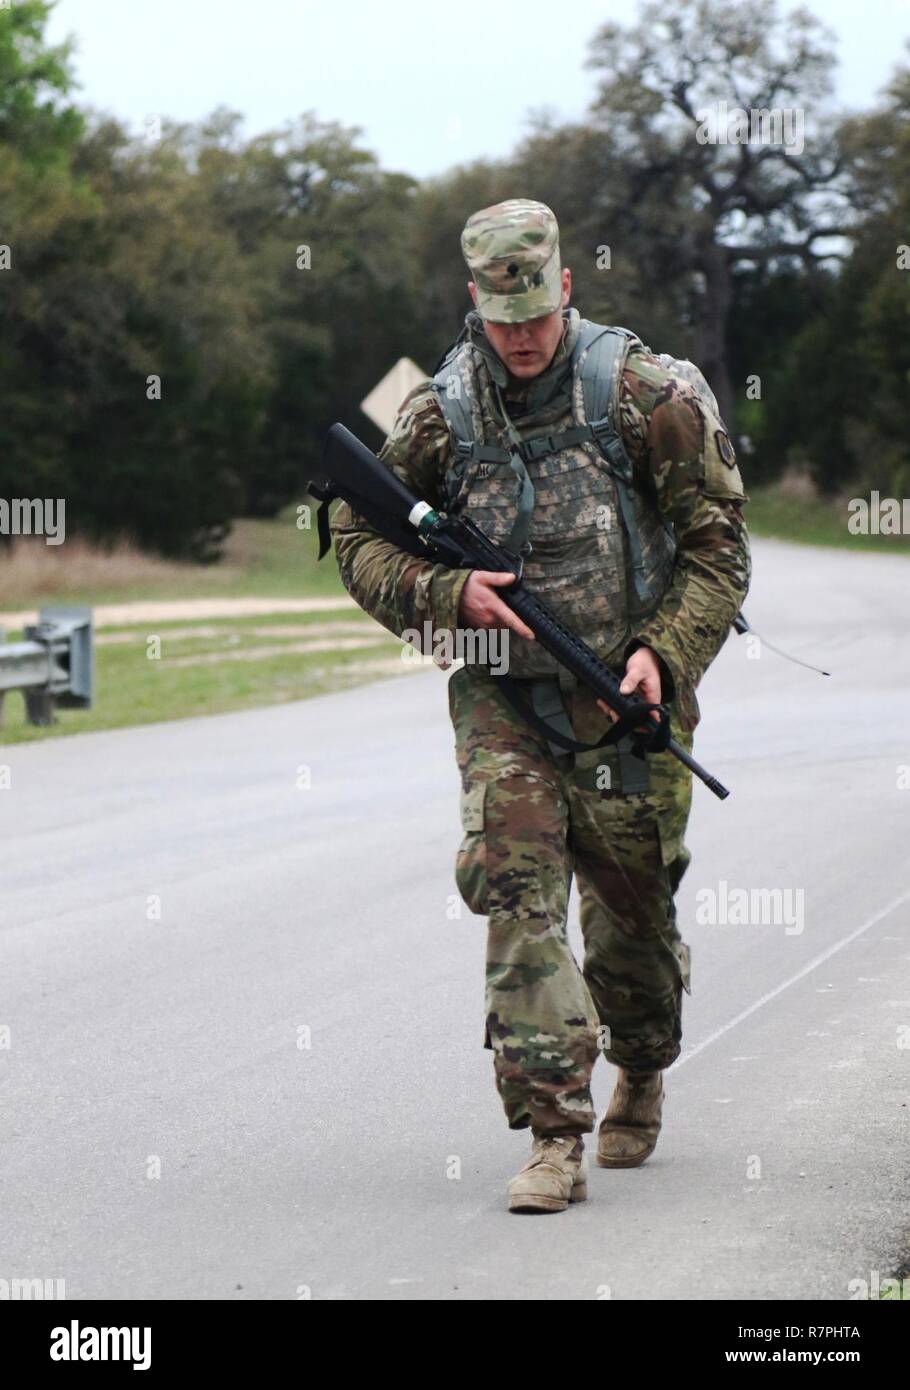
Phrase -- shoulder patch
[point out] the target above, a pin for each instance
(725, 448)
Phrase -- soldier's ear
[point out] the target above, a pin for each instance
(566, 285)
(472, 291)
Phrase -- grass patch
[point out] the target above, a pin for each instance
(805, 520)
(262, 559)
(216, 667)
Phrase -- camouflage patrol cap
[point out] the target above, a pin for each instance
(512, 251)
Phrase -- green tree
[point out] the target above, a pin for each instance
(325, 235)
(37, 121)
(844, 398)
(709, 207)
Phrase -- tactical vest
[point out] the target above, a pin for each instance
(558, 487)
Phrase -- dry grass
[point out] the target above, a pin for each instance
(31, 570)
(263, 558)
(798, 484)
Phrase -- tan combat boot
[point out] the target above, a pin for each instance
(554, 1175)
(628, 1132)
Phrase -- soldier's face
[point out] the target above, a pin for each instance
(527, 348)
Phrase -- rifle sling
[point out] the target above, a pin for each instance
(510, 688)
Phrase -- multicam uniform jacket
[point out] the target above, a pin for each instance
(682, 457)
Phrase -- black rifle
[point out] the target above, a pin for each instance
(351, 472)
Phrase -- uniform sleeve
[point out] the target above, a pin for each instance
(396, 589)
(682, 451)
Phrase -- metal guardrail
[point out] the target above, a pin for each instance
(53, 666)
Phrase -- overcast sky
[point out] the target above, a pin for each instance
(430, 85)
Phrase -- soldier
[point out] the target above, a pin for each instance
(632, 530)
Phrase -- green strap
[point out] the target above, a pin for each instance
(543, 444)
(548, 705)
(521, 526)
(486, 453)
(604, 434)
(603, 350)
(548, 715)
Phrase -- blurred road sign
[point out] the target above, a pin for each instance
(381, 405)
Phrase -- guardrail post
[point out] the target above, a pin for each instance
(53, 666)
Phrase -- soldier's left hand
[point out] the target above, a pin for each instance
(642, 677)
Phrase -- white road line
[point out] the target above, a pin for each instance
(794, 979)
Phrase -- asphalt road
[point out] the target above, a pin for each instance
(245, 1053)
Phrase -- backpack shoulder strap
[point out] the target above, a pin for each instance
(598, 360)
(456, 410)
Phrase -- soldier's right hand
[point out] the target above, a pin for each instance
(481, 606)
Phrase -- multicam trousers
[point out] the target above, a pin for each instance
(530, 820)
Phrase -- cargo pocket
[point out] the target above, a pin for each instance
(675, 858)
(471, 860)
